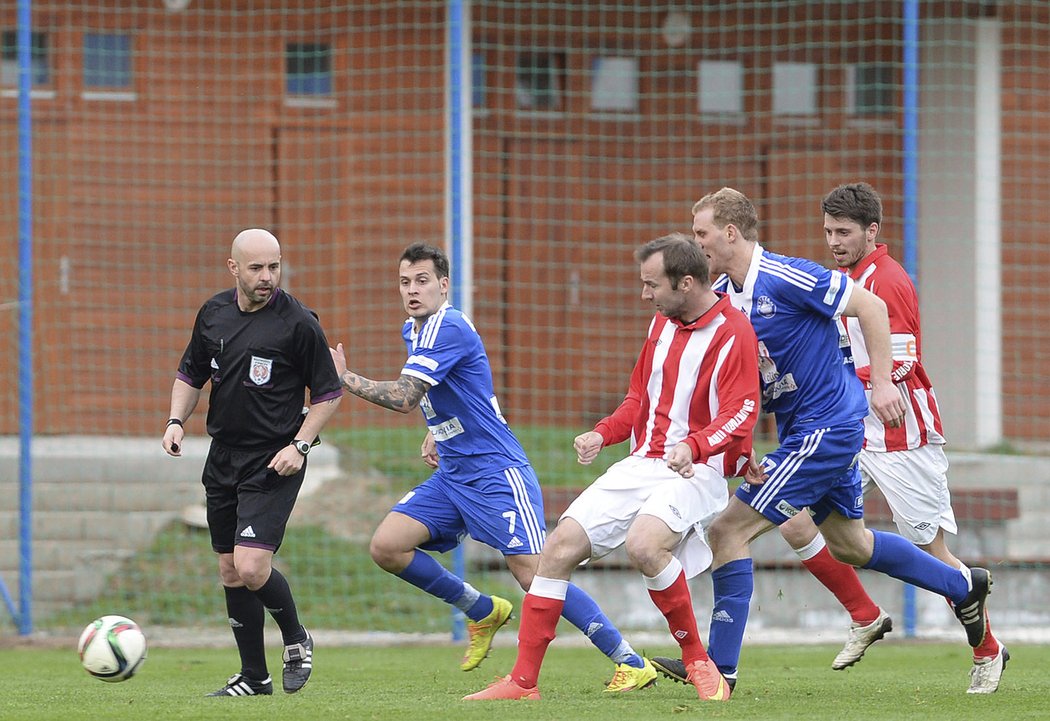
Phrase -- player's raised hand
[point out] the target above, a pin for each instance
(587, 446)
(428, 451)
(888, 404)
(680, 460)
(339, 358)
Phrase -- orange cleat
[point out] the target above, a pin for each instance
(710, 684)
(505, 689)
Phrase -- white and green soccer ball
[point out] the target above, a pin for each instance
(112, 648)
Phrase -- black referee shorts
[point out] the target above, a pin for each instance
(248, 503)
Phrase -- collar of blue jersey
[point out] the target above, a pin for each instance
(749, 278)
(414, 333)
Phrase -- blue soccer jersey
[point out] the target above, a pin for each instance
(794, 305)
(460, 408)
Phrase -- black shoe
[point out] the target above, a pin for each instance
(971, 611)
(240, 685)
(298, 663)
(674, 669)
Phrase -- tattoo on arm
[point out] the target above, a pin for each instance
(401, 395)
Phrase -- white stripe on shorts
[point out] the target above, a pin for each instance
(781, 475)
(526, 513)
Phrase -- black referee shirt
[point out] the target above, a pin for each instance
(259, 365)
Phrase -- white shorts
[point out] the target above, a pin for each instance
(915, 484)
(607, 508)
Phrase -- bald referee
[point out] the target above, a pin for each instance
(261, 349)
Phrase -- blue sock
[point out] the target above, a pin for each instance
(426, 573)
(733, 585)
(896, 556)
(582, 612)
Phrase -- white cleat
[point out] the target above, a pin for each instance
(986, 672)
(860, 638)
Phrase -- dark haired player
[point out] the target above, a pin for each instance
(483, 483)
(906, 461)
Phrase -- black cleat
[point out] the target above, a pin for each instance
(674, 669)
(971, 611)
(298, 663)
(240, 685)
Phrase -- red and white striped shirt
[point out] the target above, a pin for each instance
(696, 383)
(879, 273)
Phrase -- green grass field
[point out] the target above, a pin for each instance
(903, 680)
(395, 453)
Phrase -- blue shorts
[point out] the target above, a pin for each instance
(503, 510)
(813, 468)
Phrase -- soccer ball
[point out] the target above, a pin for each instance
(112, 648)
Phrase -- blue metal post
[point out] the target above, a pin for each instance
(455, 209)
(910, 172)
(25, 314)
(910, 169)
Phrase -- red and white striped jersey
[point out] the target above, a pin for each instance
(879, 273)
(696, 383)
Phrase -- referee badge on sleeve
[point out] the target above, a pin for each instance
(259, 371)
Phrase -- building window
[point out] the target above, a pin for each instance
(308, 68)
(614, 84)
(720, 88)
(870, 89)
(107, 60)
(40, 65)
(795, 89)
(540, 81)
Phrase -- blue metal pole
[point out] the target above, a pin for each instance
(910, 172)
(911, 137)
(25, 314)
(456, 240)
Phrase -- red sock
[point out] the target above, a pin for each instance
(842, 580)
(990, 646)
(539, 618)
(676, 605)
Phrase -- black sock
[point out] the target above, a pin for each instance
(247, 617)
(276, 596)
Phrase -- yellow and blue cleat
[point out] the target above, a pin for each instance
(628, 678)
(482, 632)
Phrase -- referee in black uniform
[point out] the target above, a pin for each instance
(261, 349)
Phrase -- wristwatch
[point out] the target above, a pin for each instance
(302, 446)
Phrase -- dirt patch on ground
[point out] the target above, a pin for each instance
(349, 505)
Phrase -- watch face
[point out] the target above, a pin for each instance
(302, 446)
